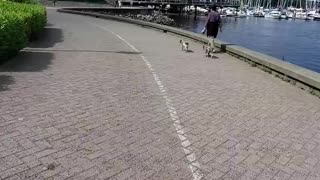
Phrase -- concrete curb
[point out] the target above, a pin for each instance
(306, 79)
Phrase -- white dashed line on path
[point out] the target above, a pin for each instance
(186, 145)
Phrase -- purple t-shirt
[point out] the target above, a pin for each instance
(213, 17)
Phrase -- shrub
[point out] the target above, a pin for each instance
(26, 1)
(18, 24)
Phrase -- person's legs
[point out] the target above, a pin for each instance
(214, 35)
(211, 44)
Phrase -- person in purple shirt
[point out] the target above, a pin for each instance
(212, 25)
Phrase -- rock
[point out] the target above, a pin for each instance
(156, 17)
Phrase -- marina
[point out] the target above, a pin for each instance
(292, 40)
(283, 10)
(285, 29)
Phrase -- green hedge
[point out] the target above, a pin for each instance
(18, 24)
(25, 1)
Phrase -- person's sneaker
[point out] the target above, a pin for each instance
(214, 50)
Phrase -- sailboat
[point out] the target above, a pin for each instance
(284, 16)
(283, 4)
(290, 11)
(311, 7)
(316, 17)
(275, 14)
(230, 12)
(241, 13)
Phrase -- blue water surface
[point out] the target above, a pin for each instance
(295, 41)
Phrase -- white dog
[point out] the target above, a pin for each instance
(184, 45)
(210, 49)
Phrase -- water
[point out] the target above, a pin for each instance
(295, 41)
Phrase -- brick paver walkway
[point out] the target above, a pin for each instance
(82, 104)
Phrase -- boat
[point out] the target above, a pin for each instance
(259, 14)
(310, 9)
(284, 15)
(192, 9)
(309, 17)
(241, 14)
(290, 14)
(250, 13)
(316, 17)
(304, 17)
(230, 12)
(311, 13)
(300, 14)
(258, 11)
(275, 14)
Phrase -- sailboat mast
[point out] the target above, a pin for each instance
(284, 4)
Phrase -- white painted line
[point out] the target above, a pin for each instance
(186, 145)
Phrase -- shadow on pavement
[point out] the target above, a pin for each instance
(33, 61)
(214, 57)
(5, 81)
(48, 38)
(28, 62)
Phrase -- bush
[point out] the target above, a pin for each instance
(18, 24)
(26, 1)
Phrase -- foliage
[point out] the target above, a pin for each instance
(18, 23)
(25, 1)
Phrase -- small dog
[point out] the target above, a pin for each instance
(209, 49)
(184, 45)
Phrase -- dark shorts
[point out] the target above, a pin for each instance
(212, 29)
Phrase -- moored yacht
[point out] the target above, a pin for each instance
(275, 14)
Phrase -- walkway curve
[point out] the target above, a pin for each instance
(82, 104)
(187, 148)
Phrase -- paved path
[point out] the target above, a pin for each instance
(98, 99)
